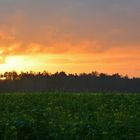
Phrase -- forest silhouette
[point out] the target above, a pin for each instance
(60, 81)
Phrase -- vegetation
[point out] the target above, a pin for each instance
(91, 82)
(75, 116)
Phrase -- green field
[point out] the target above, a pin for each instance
(69, 116)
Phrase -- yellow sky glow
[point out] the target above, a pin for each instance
(74, 63)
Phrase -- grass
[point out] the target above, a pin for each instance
(61, 116)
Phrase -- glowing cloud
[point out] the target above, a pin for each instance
(103, 34)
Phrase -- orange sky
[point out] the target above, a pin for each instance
(73, 36)
(112, 61)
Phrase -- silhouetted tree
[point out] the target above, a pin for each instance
(60, 81)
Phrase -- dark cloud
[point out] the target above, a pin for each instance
(69, 25)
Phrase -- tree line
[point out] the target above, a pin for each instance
(60, 81)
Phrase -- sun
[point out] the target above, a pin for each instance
(16, 63)
(21, 63)
(12, 63)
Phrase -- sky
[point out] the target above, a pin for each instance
(74, 36)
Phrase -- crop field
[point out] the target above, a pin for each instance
(69, 116)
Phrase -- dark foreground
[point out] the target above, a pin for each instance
(61, 116)
(60, 81)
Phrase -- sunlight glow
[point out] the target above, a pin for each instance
(11, 63)
(25, 63)
(70, 63)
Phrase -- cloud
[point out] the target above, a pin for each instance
(63, 26)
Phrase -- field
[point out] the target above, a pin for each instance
(69, 116)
